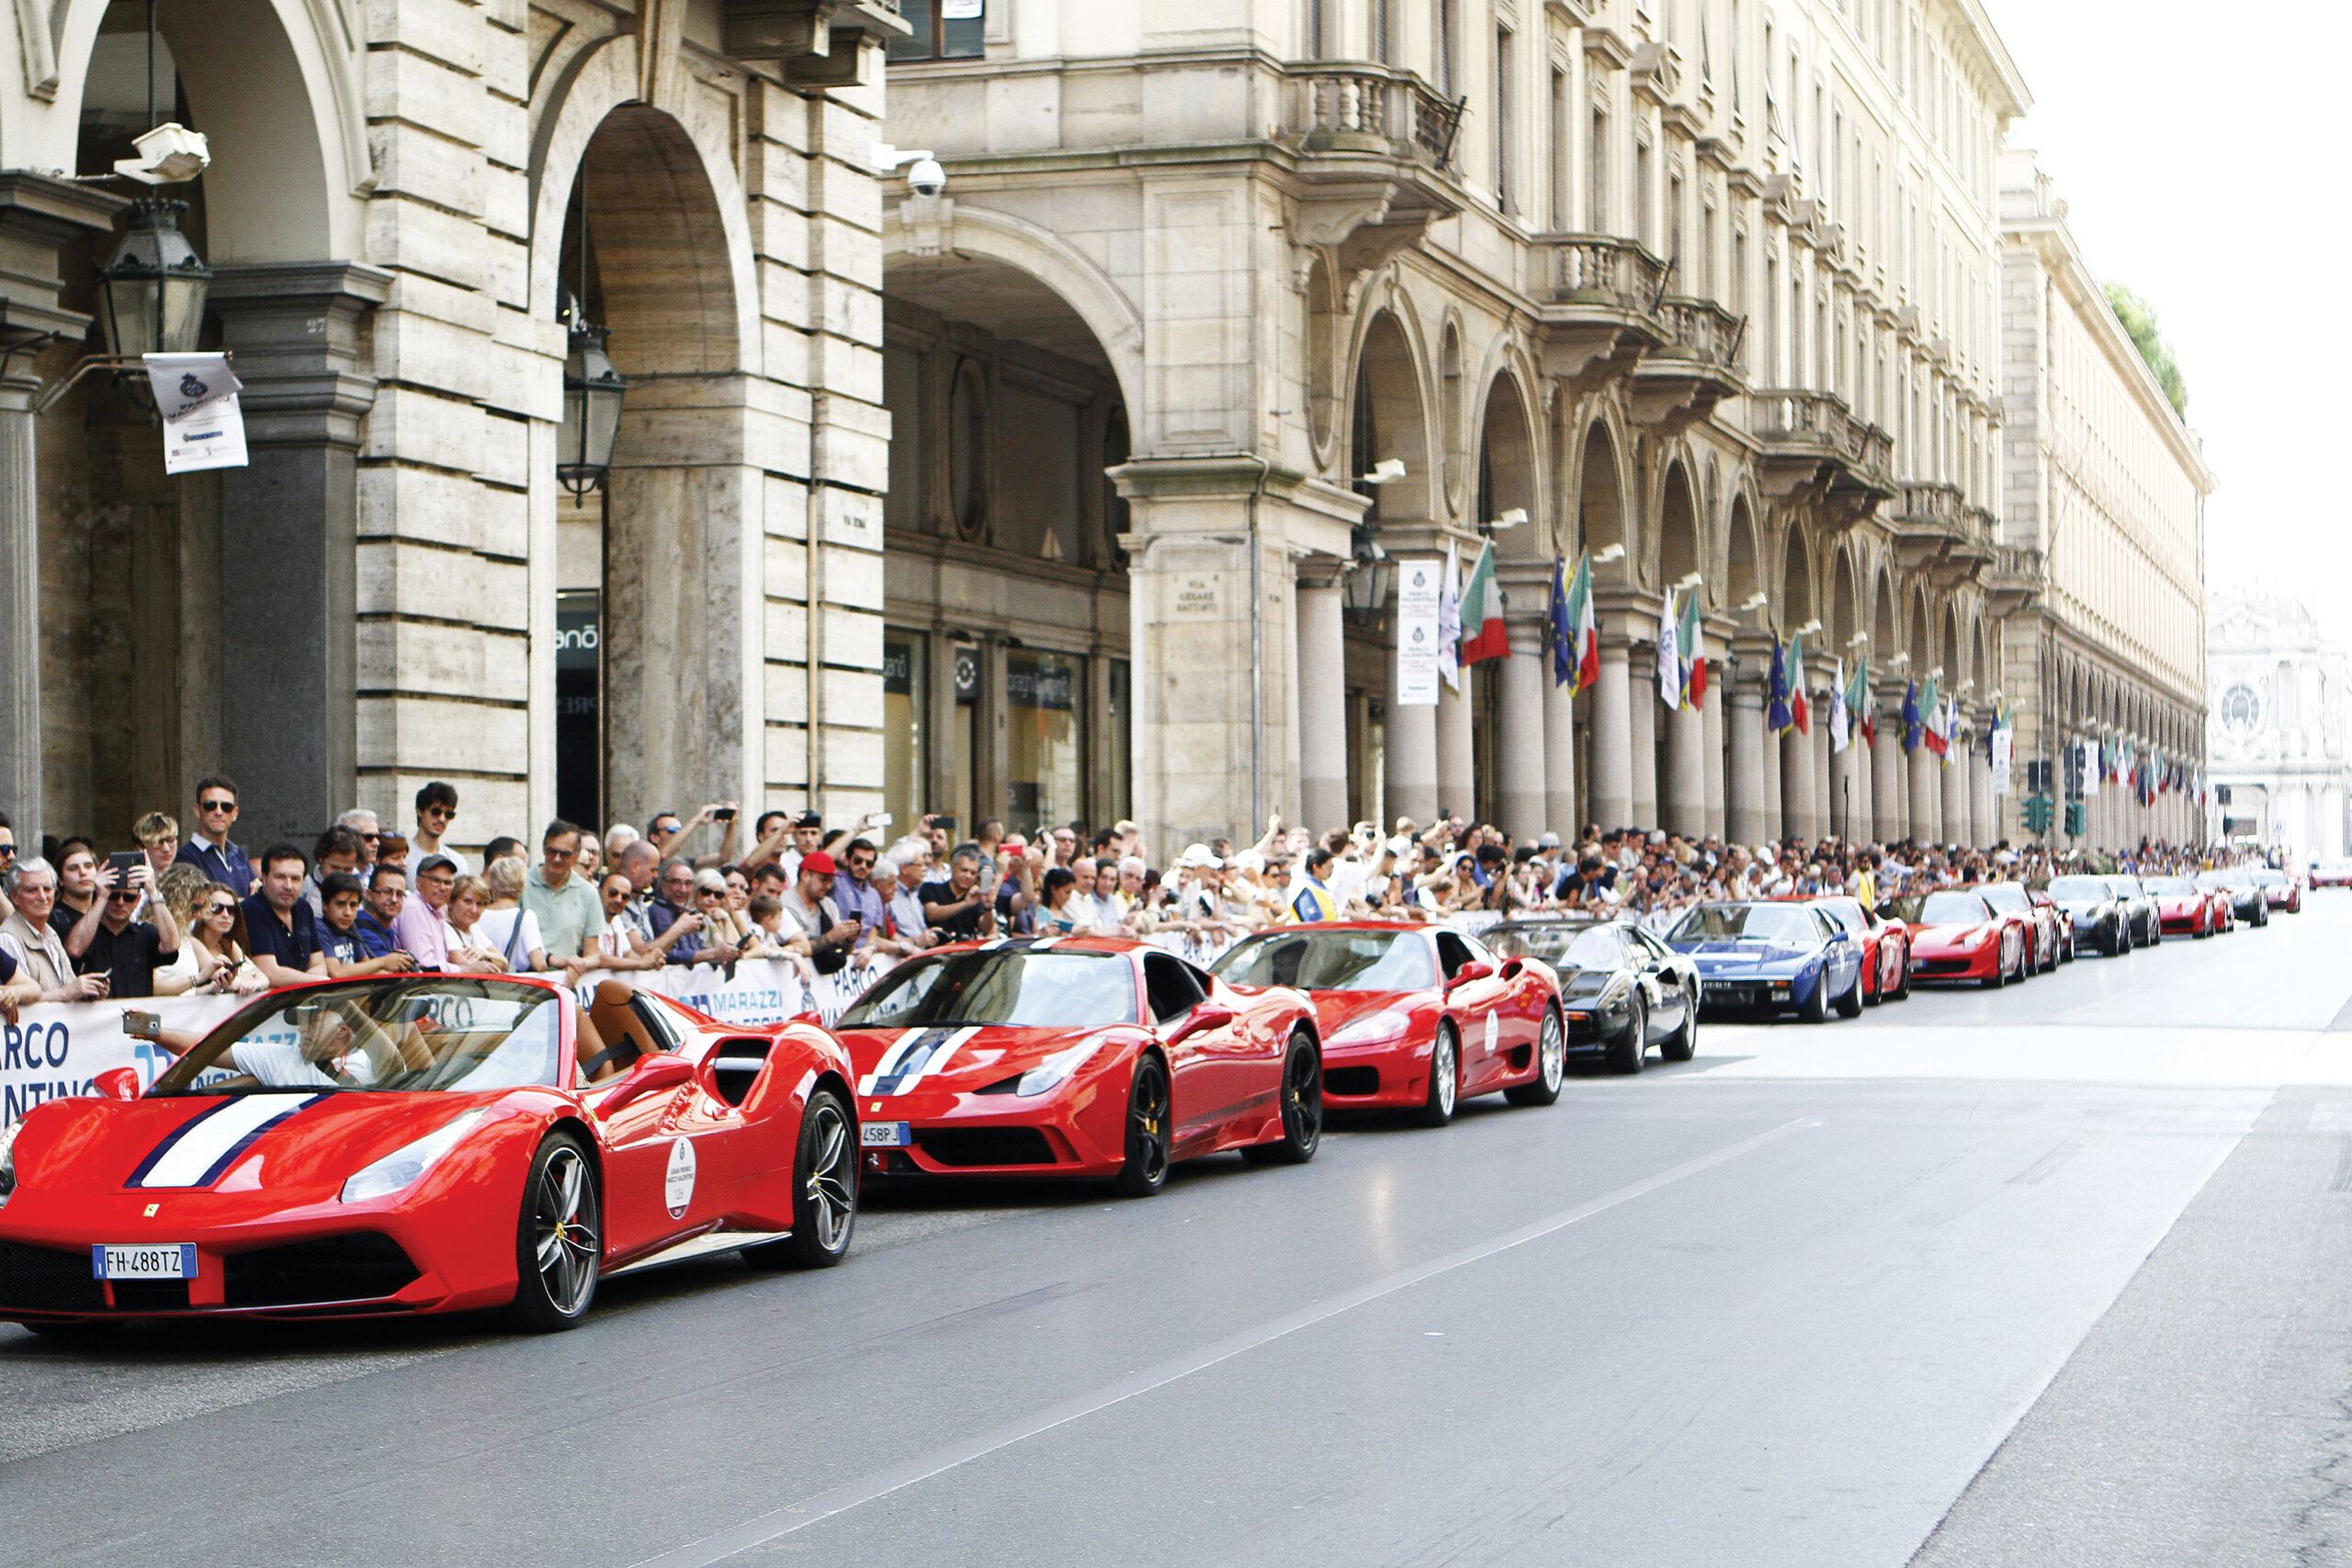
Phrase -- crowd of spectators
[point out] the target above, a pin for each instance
(200, 913)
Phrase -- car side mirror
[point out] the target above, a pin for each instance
(117, 1083)
(1201, 1019)
(653, 1075)
(1476, 969)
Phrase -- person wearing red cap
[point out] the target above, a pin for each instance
(810, 907)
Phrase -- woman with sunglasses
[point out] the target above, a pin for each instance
(209, 957)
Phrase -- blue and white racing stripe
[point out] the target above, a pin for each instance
(200, 1150)
(918, 1054)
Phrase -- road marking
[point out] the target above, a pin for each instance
(881, 1483)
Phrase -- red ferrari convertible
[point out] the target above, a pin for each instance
(1415, 1017)
(1078, 1057)
(1886, 948)
(427, 1144)
(2183, 907)
(1956, 935)
(2047, 933)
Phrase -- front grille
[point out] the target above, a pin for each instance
(332, 1269)
(985, 1145)
(150, 1295)
(1345, 1082)
(1943, 967)
(42, 1278)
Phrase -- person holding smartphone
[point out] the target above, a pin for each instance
(810, 907)
(126, 951)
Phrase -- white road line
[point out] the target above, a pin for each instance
(881, 1483)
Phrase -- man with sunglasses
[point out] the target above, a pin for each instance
(436, 808)
(211, 850)
(126, 951)
(566, 905)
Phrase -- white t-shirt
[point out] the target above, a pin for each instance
(279, 1064)
(496, 929)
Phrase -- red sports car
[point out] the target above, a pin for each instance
(2183, 907)
(1078, 1057)
(2279, 890)
(1415, 1017)
(1956, 935)
(426, 1144)
(1886, 948)
(2332, 873)
(2042, 901)
(2047, 933)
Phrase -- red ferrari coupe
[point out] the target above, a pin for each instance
(2185, 909)
(1078, 1057)
(1415, 1017)
(426, 1144)
(2047, 933)
(1886, 948)
(1956, 935)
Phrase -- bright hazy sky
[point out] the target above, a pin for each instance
(2199, 165)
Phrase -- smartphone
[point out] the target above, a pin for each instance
(724, 814)
(880, 820)
(137, 1022)
(944, 824)
(125, 861)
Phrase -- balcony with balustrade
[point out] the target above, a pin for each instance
(1928, 520)
(1693, 368)
(1599, 303)
(1372, 150)
(2015, 578)
(1811, 440)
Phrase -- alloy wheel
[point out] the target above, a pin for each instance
(565, 1220)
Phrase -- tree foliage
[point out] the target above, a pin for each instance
(2139, 319)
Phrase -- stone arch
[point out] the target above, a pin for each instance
(1796, 595)
(1390, 415)
(1681, 550)
(1886, 628)
(1927, 651)
(1321, 307)
(1603, 517)
(1508, 476)
(1452, 426)
(1844, 618)
(277, 191)
(1742, 573)
(1955, 646)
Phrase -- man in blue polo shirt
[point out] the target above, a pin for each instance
(209, 848)
(1311, 902)
(280, 932)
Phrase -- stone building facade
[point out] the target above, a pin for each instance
(1712, 281)
(403, 198)
(2281, 710)
(2101, 566)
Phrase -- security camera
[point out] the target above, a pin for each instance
(926, 177)
(170, 154)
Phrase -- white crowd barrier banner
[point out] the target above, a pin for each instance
(55, 1049)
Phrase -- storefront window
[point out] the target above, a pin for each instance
(1045, 693)
(906, 749)
(1122, 734)
(579, 721)
(942, 30)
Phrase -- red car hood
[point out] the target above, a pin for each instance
(1944, 936)
(1334, 1010)
(957, 1059)
(2174, 904)
(302, 1146)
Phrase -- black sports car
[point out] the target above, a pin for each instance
(2247, 899)
(1623, 990)
(2099, 917)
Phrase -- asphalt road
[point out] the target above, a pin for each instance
(2056, 1275)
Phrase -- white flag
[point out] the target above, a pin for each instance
(1449, 622)
(1669, 655)
(2090, 769)
(1840, 722)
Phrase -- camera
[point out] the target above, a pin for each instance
(926, 177)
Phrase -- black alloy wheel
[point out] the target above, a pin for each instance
(1150, 1131)
(1551, 1064)
(559, 1244)
(1302, 1097)
(1815, 1007)
(824, 1190)
(1903, 980)
(1445, 1078)
(1627, 1051)
(1683, 1044)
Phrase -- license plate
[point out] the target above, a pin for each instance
(886, 1135)
(172, 1260)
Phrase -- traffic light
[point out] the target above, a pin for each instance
(2076, 819)
(2037, 812)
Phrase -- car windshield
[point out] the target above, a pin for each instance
(1333, 961)
(2079, 890)
(1846, 913)
(2270, 878)
(2124, 886)
(1747, 923)
(1940, 909)
(2170, 886)
(395, 1035)
(1012, 989)
(2007, 896)
(1563, 944)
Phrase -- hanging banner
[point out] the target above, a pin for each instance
(204, 422)
(2004, 745)
(1418, 583)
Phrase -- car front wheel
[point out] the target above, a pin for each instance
(1302, 1097)
(824, 1190)
(559, 1241)
(1551, 1064)
(1445, 1079)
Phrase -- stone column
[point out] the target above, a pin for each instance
(1560, 761)
(1322, 704)
(1797, 804)
(1825, 804)
(1457, 753)
(291, 539)
(1521, 747)
(1959, 828)
(38, 215)
(1683, 805)
(1927, 807)
(1641, 702)
(1892, 805)
(1412, 757)
(1612, 741)
(1841, 787)
(1745, 821)
(1712, 722)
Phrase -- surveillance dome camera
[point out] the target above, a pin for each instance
(168, 155)
(926, 177)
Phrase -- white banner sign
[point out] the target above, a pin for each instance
(204, 423)
(2004, 744)
(1418, 584)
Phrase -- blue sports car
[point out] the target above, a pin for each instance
(1768, 956)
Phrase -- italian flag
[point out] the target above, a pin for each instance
(1692, 639)
(1858, 704)
(1933, 706)
(1799, 713)
(1584, 629)
(1482, 612)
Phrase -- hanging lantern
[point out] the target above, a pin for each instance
(1363, 592)
(153, 287)
(593, 391)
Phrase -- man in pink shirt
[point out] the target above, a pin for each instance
(423, 928)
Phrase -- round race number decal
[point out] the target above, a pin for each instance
(678, 1187)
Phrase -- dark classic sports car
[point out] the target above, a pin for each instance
(1623, 990)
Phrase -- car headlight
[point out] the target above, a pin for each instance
(9, 1162)
(1056, 1069)
(1976, 939)
(1385, 1024)
(406, 1166)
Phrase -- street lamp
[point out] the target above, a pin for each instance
(593, 391)
(153, 288)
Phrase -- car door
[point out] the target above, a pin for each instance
(1205, 1077)
(1841, 964)
(646, 1162)
(1670, 996)
(1480, 1009)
